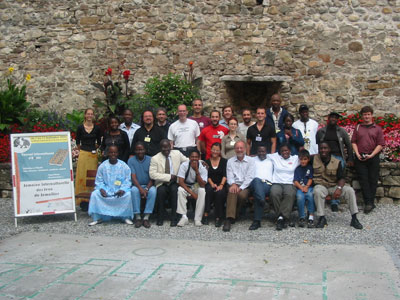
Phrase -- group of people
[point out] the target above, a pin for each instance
(219, 163)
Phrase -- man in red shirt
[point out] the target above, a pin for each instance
(212, 134)
(367, 142)
(197, 108)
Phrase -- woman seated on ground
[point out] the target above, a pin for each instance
(215, 188)
(111, 198)
(229, 140)
(88, 139)
(116, 137)
(283, 192)
(290, 136)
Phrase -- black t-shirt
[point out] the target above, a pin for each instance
(332, 139)
(150, 138)
(88, 140)
(260, 138)
(217, 174)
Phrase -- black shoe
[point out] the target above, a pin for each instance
(368, 208)
(160, 222)
(218, 223)
(310, 224)
(334, 208)
(322, 222)
(173, 223)
(227, 226)
(205, 221)
(356, 224)
(292, 224)
(302, 222)
(255, 225)
(280, 224)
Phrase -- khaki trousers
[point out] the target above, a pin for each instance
(348, 194)
(234, 202)
(182, 201)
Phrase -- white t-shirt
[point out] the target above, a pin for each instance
(283, 168)
(309, 132)
(192, 174)
(184, 134)
(243, 128)
(264, 168)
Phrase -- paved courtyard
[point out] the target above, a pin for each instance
(60, 266)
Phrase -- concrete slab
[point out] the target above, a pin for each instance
(43, 266)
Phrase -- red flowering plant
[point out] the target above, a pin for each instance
(391, 132)
(113, 90)
(191, 76)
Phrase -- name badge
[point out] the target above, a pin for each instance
(201, 124)
(147, 139)
(117, 182)
(258, 138)
(232, 143)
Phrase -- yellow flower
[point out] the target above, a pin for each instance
(10, 69)
(28, 77)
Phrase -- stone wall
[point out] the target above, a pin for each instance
(336, 54)
(388, 191)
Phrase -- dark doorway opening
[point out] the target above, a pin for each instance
(252, 92)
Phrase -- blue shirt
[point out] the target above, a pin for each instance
(303, 174)
(140, 168)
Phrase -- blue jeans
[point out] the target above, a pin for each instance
(303, 199)
(259, 190)
(150, 201)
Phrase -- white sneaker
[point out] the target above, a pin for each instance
(183, 221)
(198, 223)
(95, 222)
(128, 221)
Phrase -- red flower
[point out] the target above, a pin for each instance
(191, 63)
(109, 72)
(126, 74)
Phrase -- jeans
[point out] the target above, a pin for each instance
(150, 201)
(302, 199)
(259, 190)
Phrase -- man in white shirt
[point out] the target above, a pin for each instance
(184, 132)
(261, 184)
(308, 128)
(247, 122)
(128, 126)
(192, 179)
(239, 172)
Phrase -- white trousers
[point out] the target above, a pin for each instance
(200, 202)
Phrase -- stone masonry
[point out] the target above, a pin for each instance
(331, 54)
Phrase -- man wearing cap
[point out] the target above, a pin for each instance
(339, 142)
(276, 114)
(308, 128)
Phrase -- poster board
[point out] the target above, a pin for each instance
(42, 174)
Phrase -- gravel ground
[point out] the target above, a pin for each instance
(381, 228)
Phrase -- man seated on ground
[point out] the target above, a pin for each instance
(111, 198)
(163, 169)
(261, 185)
(212, 134)
(142, 185)
(192, 179)
(239, 173)
(330, 184)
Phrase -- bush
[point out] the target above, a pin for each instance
(170, 91)
(12, 101)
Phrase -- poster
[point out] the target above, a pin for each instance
(42, 173)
